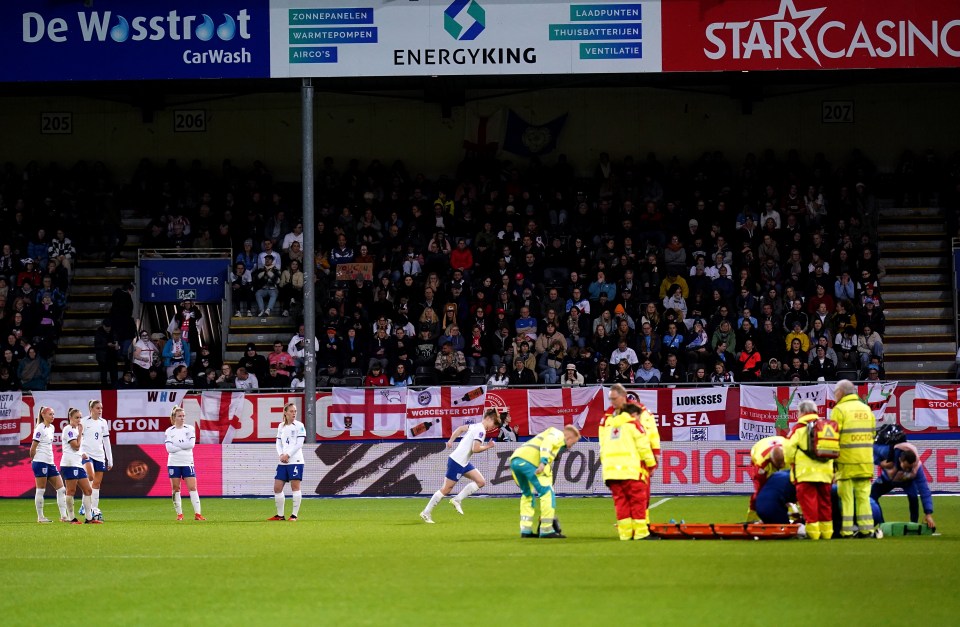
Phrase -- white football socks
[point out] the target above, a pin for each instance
(38, 501)
(62, 501)
(177, 502)
(467, 490)
(87, 506)
(95, 499)
(436, 498)
(195, 501)
(70, 512)
(297, 498)
(280, 501)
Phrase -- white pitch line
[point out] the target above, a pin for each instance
(660, 502)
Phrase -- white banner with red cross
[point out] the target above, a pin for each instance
(219, 417)
(936, 407)
(564, 406)
(371, 409)
(766, 411)
(436, 411)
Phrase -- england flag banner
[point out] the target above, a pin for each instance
(377, 411)
(936, 407)
(767, 410)
(219, 417)
(436, 411)
(564, 406)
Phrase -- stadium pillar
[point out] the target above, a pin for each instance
(309, 268)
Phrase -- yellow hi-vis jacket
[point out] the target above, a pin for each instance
(857, 428)
(649, 423)
(803, 467)
(542, 448)
(760, 454)
(625, 451)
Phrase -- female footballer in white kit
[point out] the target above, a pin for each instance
(71, 468)
(458, 464)
(95, 449)
(44, 470)
(180, 440)
(291, 435)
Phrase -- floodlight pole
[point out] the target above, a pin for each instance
(309, 268)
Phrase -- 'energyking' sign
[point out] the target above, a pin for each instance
(812, 34)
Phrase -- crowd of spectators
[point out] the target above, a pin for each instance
(43, 212)
(643, 272)
(646, 272)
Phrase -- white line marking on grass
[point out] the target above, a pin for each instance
(660, 502)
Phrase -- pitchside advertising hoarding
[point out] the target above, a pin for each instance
(125, 40)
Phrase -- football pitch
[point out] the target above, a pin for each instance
(373, 562)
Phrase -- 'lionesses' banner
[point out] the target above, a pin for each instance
(564, 406)
(10, 418)
(683, 415)
(699, 415)
(936, 407)
(740, 35)
(436, 411)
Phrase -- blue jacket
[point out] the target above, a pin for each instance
(917, 486)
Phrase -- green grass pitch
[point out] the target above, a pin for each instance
(373, 562)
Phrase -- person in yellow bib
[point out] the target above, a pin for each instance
(531, 466)
(766, 458)
(812, 476)
(627, 459)
(854, 467)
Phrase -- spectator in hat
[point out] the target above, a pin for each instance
(252, 362)
(873, 373)
(266, 280)
(571, 378)
(248, 256)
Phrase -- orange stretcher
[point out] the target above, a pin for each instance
(725, 531)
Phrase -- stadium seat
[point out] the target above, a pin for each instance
(852, 375)
(352, 382)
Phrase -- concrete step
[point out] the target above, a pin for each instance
(926, 332)
(915, 261)
(136, 223)
(267, 338)
(888, 247)
(265, 324)
(896, 228)
(79, 308)
(98, 272)
(896, 298)
(66, 377)
(913, 280)
(81, 324)
(920, 369)
(75, 342)
(74, 359)
(89, 290)
(900, 212)
(913, 313)
(899, 348)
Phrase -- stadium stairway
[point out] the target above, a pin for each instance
(88, 303)
(262, 331)
(919, 342)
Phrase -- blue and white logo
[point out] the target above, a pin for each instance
(464, 20)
